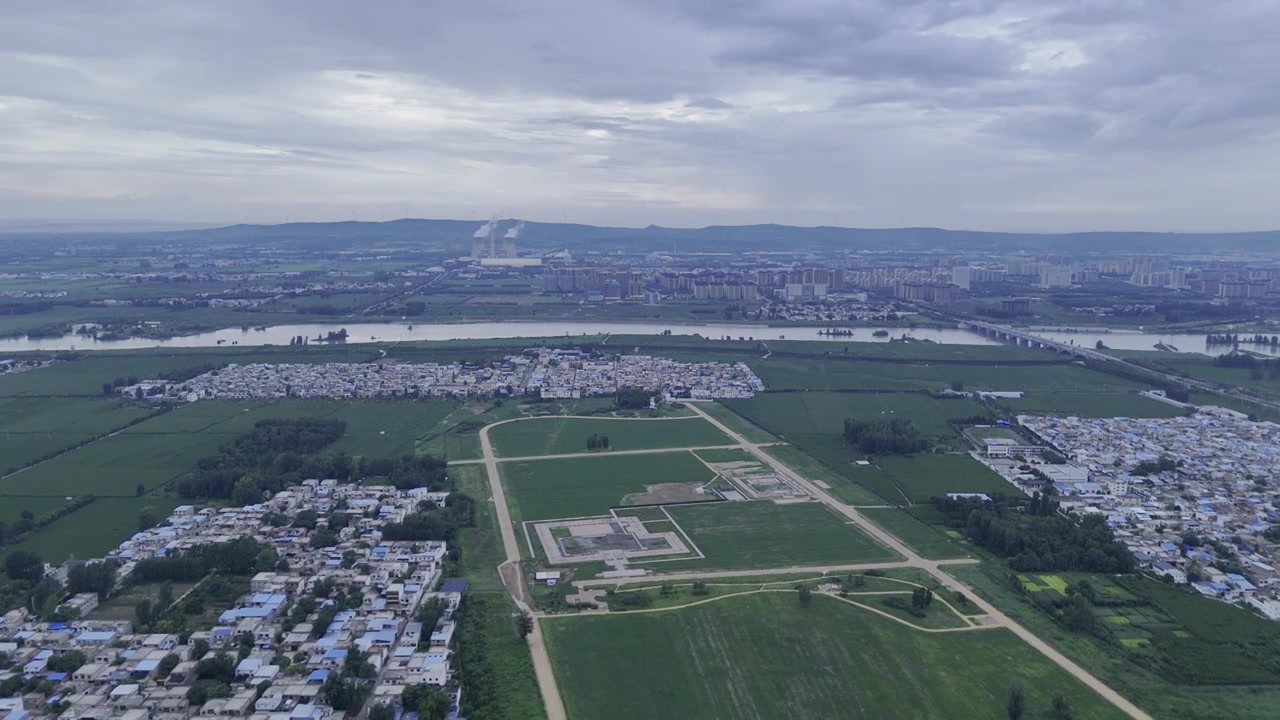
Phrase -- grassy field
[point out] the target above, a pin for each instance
(1165, 700)
(735, 422)
(995, 374)
(791, 414)
(931, 542)
(482, 550)
(92, 531)
(1091, 404)
(114, 466)
(763, 656)
(727, 455)
(31, 428)
(578, 487)
(921, 477)
(559, 435)
(763, 534)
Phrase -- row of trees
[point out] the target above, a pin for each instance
(429, 522)
(28, 522)
(596, 441)
(1037, 543)
(885, 437)
(242, 556)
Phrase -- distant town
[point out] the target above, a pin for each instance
(541, 372)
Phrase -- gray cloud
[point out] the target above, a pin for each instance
(1002, 114)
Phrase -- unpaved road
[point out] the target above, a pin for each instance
(511, 572)
(934, 568)
(542, 661)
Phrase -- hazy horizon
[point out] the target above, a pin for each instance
(1001, 115)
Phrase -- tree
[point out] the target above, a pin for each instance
(24, 565)
(246, 492)
(148, 518)
(140, 490)
(805, 594)
(524, 624)
(167, 664)
(1016, 706)
(957, 386)
(1061, 708)
(199, 649)
(382, 711)
(97, 577)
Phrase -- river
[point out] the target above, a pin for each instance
(403, 331)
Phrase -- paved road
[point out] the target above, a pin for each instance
(934, 568)
(511, 578)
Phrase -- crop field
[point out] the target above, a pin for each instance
(921, 477)
(92, 531)
(32, 428)
(561, 435)
(788, 414)
(931, 542)
(580, 487)
(1092, 404)
(763, 656)
(735, 422)
(762, 534)
(996, 375)
(114, 466)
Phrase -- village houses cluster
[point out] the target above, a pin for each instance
(543, 372)
(283, 657)
(1193, 497)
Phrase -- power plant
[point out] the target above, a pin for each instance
(484, 242)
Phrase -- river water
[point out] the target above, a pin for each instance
(403, 331)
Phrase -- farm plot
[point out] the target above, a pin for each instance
(764, 534)
(931, 542)
(92, 531)
(589, 486)
(1092, 404)
(921, 477)
(561, 435)
(788, 414)
(116, 465)
(32, 428)
(763, 656)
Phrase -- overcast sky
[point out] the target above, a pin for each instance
(1040, 115)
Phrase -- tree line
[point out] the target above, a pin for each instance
(1042, 542)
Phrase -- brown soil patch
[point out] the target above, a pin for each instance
(665, 493)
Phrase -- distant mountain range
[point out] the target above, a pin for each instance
(546, 236)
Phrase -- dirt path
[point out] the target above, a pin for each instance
(598, 453)
(542, 661)
(934, 568)
(510, 572)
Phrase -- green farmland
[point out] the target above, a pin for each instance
(1091, 404)
(580, 487)
(33, 428)
(921, 477)
(931, 542)
(764, 534)
(561, 435)
(764, 656)
(791, 414)
(93, 531)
